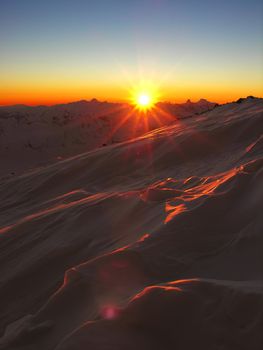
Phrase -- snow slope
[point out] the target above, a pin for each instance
(36, 136)
(152, 243)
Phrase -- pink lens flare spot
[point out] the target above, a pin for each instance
(109, 312)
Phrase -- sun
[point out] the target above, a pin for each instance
(144, 100)
(144, 95)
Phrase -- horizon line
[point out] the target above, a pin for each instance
(112, 101)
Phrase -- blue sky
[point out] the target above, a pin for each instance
(98, 43)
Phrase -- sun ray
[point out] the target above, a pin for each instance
(121, 123)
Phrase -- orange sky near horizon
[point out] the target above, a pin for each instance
(49, 95)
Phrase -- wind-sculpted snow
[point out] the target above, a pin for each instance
(189, 314)
(153, 243)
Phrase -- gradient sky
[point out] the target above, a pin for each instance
(58, 51)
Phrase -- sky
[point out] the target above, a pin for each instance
(56, 51)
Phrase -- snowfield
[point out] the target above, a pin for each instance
(152, 242)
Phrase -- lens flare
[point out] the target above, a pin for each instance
(110, 312)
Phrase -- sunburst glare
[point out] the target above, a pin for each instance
(144, 96)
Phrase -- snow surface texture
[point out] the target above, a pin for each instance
(153, 243)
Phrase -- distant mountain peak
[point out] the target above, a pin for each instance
(94, 100)
(242, 99)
